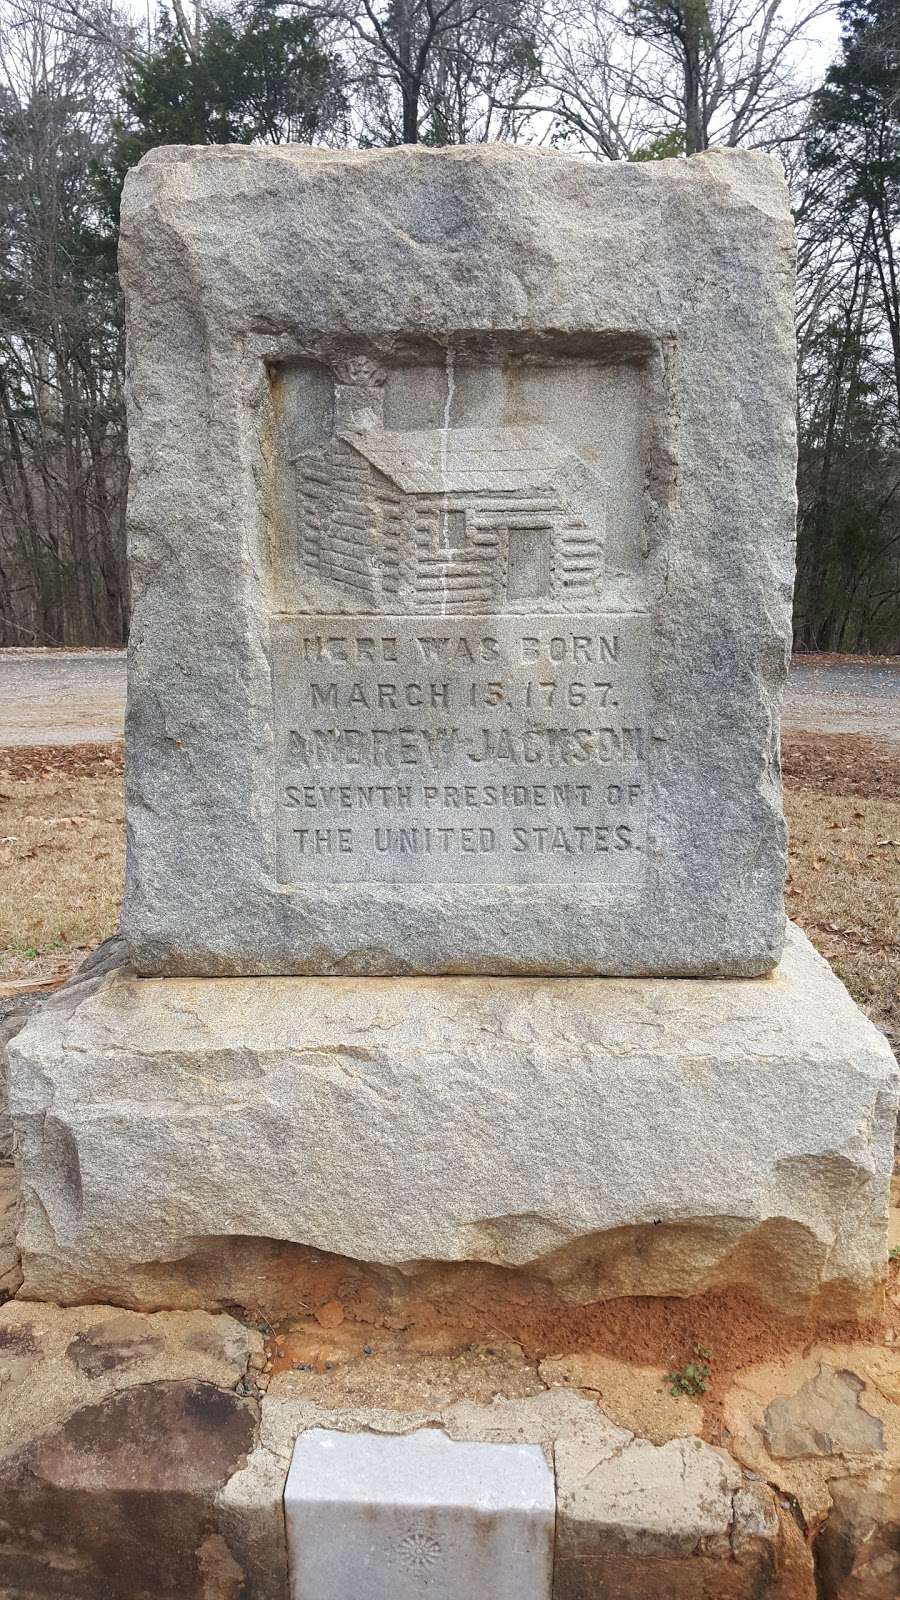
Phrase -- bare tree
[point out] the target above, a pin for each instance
(626, 79)
(847, 184)
(62, 443)
(481, 73)
(443, 71)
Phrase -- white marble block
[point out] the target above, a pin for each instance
(387, 1518)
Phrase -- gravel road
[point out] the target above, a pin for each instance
(75, 696)
(61, 696)
(834, 694)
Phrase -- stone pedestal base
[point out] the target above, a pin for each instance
(201, 1142)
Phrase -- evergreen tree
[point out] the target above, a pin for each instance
(246, 75)
(848, 593)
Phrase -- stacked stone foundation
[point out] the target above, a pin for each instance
(456, 1069)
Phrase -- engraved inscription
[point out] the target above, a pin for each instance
(461, 748)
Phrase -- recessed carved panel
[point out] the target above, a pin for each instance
(460, 658)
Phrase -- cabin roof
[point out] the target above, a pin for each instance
(464, 460)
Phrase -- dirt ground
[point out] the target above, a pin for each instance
(842, 799)
(61, 863)
(62, 856)
(62, 840)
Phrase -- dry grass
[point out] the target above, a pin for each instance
(62, 853)
(844, 890)
(62, 849)
(842, 798)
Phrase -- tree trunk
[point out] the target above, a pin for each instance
(695, 138)
(410, 111)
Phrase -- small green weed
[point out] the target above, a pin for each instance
(894, 1253)
(32, 952)
(692, 1378)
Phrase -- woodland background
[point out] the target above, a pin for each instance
(86, 88)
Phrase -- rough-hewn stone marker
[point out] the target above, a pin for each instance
(461, 523)
(461, 529)
(461, 533)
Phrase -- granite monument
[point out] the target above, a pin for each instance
(461, 528)
(461, 532)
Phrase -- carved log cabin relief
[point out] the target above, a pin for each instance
(447, 520)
